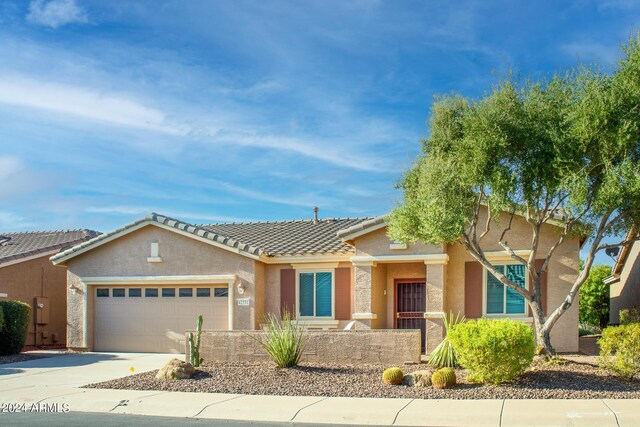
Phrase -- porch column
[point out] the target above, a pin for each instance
(435, 304)
(363, 272)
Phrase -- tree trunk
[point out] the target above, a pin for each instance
(544, 349)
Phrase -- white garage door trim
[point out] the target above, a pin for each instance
(89, 284)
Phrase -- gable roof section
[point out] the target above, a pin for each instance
(291, 238)
(165, 222)
(362, 228)
(623, 257)
(18, 247)
(254, 239)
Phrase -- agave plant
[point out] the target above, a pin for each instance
(444, 355)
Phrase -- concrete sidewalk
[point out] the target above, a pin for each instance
(58, 384)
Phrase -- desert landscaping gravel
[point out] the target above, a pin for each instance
(574, 379)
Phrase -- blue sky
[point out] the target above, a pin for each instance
(234, 110)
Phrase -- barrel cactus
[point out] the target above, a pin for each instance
(392, 376)
(443, 378)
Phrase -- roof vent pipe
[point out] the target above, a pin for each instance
(315, 214)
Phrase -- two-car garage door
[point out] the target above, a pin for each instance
(155, 318)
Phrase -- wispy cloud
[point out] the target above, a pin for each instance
(145, 210)
(591, 51)
(56, 13)
(10, 221)
(83, 102)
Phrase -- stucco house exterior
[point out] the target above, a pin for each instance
(141, 286)
(624, 282)
(27, 275)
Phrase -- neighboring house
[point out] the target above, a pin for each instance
(141, 286)
(26, 274)
(624, 282)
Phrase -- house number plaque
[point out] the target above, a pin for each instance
(243, 301)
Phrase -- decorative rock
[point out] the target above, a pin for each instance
(418, 379)
(176, 369)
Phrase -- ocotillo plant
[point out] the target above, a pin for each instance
(194, 346)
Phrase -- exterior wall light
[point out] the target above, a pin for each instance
(240, 289)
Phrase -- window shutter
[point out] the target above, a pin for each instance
(343, 293)
(324, 300)
(306, 294)
(473, 289)
(288, 291)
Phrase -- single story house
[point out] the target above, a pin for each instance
(27, 275)
(138, 288)
(624, 282)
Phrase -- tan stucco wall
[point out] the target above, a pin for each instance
(378, 297)
(563, 270)
(377, 243)
(127, 256)
(625, 293)
(259, 280)
(39, 277)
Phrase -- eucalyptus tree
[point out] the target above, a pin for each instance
(562, 151)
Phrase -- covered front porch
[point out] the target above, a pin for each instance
(401, 292)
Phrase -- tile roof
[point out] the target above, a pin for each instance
(361, 226)
(297, 237)
(278, 238)
(14, 246)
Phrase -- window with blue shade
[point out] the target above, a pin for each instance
(315, 294)
(501, 299)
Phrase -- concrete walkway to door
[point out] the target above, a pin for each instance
(55, 383)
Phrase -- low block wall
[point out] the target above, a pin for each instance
(377, 346)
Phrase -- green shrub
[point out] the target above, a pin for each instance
(593, 305)
(444, 355)
(493, 351)
(393, 376)
(443, 378)
(620, 350)
(17, 316)
(284, 339)
(1, 319)
(629, 315)
(587, 329)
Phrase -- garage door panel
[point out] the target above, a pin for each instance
(153, 324)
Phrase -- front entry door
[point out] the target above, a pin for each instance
(411, 302)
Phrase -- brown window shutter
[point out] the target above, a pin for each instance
(543, 286)
(288, 291)
(473, 289)
(343, 293)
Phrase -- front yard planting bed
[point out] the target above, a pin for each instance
(577, 379)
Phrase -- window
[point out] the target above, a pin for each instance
(315, 294)
(203, 292)
(102, 292)
(168, 292)
(501, 299)
(185, 292)
(220, 292)
(135, 292)
(151, 292)
(118, 292)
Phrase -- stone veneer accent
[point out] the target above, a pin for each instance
(376, 346)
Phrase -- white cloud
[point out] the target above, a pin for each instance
(55, 13)
(588, 51)
(9, 166)
(9, 221)
(82, 102)
(145, 210)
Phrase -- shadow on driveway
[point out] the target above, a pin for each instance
(64, 360)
